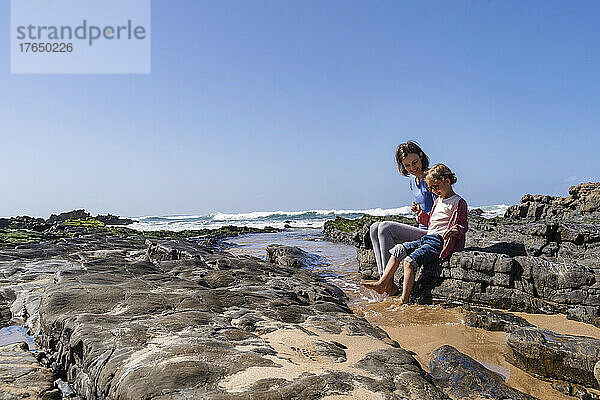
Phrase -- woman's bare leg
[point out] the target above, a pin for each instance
(386, 284)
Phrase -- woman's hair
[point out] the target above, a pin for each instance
(404, 149)
(439, 172)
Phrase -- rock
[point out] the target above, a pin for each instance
(583, 201)
(588, 314)
(110, 219)
(577, 391)
(343, 229)
(399, 372)
(7, 298)
(133, 318)
(75, 214)
(555, 356)
(461, 377)
(475, 212)
(290, 256)
(24, 222)
(542, 266)
(494, 320)
(22, 377)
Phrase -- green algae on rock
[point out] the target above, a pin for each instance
(14, 234)
(343, 229)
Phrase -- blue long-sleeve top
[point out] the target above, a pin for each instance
(423, 197)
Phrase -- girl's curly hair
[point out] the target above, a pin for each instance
(439, 172)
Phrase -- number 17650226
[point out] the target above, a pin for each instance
(46, 47)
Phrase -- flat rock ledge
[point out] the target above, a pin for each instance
(168, 319)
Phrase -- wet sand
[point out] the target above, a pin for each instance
(422, 329)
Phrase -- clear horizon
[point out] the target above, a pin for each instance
(257, 106)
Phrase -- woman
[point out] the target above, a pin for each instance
(411, 160)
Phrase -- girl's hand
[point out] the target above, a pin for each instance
(416, 208)
(450, 233)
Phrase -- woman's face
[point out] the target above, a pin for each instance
(412, 163)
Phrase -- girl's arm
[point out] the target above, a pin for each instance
(462, 225)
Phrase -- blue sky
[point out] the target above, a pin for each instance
(266, 105)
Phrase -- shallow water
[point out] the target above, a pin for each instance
(417, 328)
(15, 334)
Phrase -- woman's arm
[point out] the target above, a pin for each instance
(423, 217)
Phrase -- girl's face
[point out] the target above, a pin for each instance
(441, 188)
(412, 163)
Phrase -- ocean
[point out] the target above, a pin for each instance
(275, 219)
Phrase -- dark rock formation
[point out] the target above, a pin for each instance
(399, 373)
(556, 356)
(75, 214)
(547, 266)
(461, 377)
(344, 230)
(110, 219)
(290, 256)
(583, 201)
(494, 320)
(24, 222)
(475, 212)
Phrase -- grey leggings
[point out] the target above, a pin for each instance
(385, 235)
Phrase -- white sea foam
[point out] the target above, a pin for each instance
(277, 219)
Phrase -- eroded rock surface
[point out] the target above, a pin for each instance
(462, 377)
(556, 356)
(583, 201)
(291, 256)
(130, 319)
(494, 320)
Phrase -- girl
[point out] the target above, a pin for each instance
(411, 160)
(446, 230)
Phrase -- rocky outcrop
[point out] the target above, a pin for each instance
(543, 266)
(494, 320)
(110, 219)
(555, 356)
(344, 230)
(40, 224)
(75, 214)
(129, 318)
(294, 257)
(461, 377)
(568, 361)
(583, 201)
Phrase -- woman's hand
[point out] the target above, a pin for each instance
(416, 208)
(450, 233)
